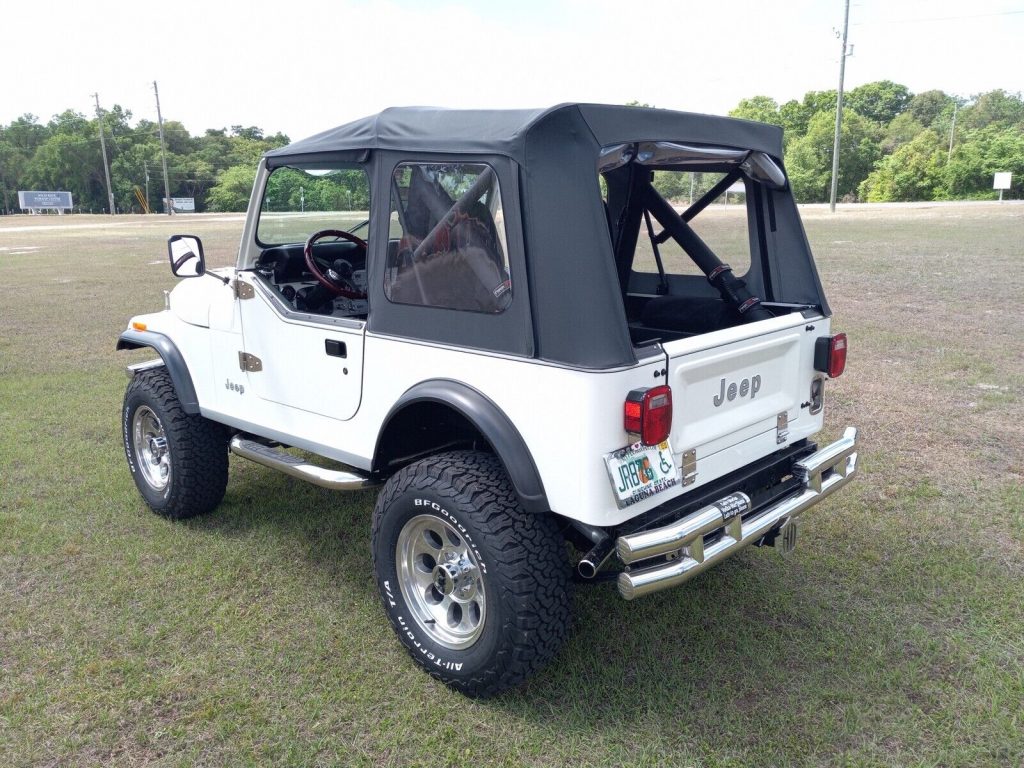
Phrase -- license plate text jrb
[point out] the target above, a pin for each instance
(635, 474)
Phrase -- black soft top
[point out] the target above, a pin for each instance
(567, 304)
(508, 131)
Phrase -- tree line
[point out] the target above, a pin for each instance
(216, 168)
(896, 146)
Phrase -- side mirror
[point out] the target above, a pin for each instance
(186, 255)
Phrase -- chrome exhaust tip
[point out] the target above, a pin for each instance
(595, 559)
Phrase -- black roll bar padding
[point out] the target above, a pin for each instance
(704, 201)
(403, 219)
(447, 221)
(625, 185)
(662, 280)
(732, 289)
(399, 207)
(712, 194)
(681, 232)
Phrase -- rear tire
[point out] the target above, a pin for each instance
(179, 461)
(476, 588)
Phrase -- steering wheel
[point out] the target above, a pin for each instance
(337, 284)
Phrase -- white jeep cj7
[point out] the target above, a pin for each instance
(499, 317)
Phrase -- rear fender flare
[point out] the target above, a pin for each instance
(173, 361)
(492, 423)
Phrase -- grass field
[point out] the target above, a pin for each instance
(894, 635)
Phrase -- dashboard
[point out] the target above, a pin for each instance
(284, 268)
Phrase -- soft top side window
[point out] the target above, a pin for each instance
(447, 244)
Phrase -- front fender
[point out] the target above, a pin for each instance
(173, 360)
(492, 423)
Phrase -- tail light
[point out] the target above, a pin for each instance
(648, 413)
(830, 355)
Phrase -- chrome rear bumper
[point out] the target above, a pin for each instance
(822, 474)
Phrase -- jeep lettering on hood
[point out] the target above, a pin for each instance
(743, 388)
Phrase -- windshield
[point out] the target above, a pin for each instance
(301, 200)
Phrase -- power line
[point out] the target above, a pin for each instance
(926, 19)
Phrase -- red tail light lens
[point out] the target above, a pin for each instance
(830, 355)
(837, 356)
(648, 413)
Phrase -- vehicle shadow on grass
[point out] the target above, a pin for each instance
(749, 648)
(329, 530)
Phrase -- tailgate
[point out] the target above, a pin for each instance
(732, 385)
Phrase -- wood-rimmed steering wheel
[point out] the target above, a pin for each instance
(337, 284)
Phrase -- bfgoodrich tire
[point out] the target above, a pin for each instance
(179, 461)
(476, 589)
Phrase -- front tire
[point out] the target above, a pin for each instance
(179, 461)
(476, 588)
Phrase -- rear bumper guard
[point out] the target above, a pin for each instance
(822, 474)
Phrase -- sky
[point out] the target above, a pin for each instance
(302, 66)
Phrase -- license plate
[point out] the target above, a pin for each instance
(639, 471)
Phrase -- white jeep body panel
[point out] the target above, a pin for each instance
(569, 419)
(731, 386)
(297, 371)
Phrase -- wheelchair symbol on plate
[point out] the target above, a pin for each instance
(665, 466)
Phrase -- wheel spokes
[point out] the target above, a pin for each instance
(151, 450)
(441, 581)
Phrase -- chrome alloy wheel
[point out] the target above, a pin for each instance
(150, 443)
(441, 581)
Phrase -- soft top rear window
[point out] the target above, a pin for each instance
(684, 234)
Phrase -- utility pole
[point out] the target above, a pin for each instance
(839, 110)
(163, 152)
(103, 151)
(952, 128)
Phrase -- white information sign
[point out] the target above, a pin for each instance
(182, 204)
(1002, 181)
(38, 201)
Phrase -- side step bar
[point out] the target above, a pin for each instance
(281, 460)
(822, 473)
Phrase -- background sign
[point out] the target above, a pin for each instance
(1002, 181)
(183, 204)
(30, 200)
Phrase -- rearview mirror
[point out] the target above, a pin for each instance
(186, 255)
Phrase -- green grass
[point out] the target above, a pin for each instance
(894, 635)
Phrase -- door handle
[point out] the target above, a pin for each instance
(335, 348)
